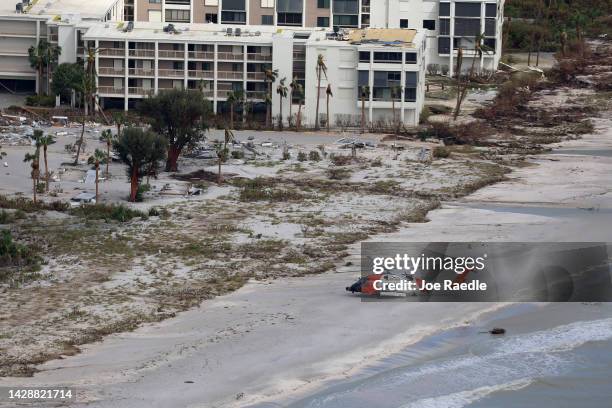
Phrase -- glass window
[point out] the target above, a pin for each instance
(403, 23)
(364, 56)
(364, 78)
(323, 4)
(388, 57)
(289, 19)
(234, 5)
(490, 27)
(211, 18)
(444, 9)
(463, 9)
(267, 20)
(490, 10)
(467, 27)
(346, 6)
(411, 79)
(322, 21)
(444, 45)
(429, 24)
(289, 6)
(346, 20)
(489, 44)
(411, 58)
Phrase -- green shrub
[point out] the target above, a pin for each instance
(441, 152)
(143, 188)
(26, 205)
(339, 173)
(314, 156)
(237, 154)
(340, 160)
(302, 157)
(286, 155)
(153, 212)
(16, 258)
(114, 212)
(40, 100)
(260, 189)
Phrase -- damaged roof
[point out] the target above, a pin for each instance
(400, 36)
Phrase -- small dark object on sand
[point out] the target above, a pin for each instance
(498, 330)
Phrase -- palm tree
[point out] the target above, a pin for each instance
(90, 78)
(328, 94)
(2, 154)
(107, 137)
(35, 174)
(52, 56)
(270, 76)
(299, 90)
(281, 90)
(45, 142)
(365, 93)
(120, 119)
(321, 70)
(37, 56)
(222, 152)
(95, 159)
(292, 86)
(462, 88)
(233, 98)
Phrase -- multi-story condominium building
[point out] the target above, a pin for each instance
(24, 23)
(218, 46)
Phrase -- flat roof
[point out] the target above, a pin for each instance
(87, 9)
(386, 36)
(146, 31)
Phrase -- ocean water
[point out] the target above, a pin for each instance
(551, 356)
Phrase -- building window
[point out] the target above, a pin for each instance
(177, 16)
(489, 44)
(267, 20)
(411, 86)
(490, 10)
(411, 58)
(443, 45)
(364, 56)
(211, 2)
(267, 3)
(385, 85)
(490, 27)
(322, 21)
(429, 24)
(444, 10)
(388, 57)
(155, 1)
(293, 19)
(346, 20)
(212, 18)
(467, 27)
(323, 4)
(444, 26)
(403, 23)
(233, 12)
(463, 9)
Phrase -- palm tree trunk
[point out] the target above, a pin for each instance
(97, 179)
(363, 114)
(280, 123)
(318, 97)
(134, 183)
(393, 109)
(231, 115)
(46, 169)
(34, 188)
(76, 160)
(219, 176)
(299, 117)
(327, 113)
(107, 157)
(290, 108)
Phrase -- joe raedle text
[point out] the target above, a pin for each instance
(405, 285)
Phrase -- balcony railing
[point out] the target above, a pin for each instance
(205, 55)
(141, 72)
(256, 75)
(230, 56)
(111, 71)
(112, 52)
(201, 74)
(141, 53)
(174, 73)
(110, 90)
(171, 54)
(259, 57)
(299, 56)
(230, 74)
(133, 90)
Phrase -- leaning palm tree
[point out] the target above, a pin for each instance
(270, 76)
(462, 87)
(328, 94)
(281, 90)
(108, 138)
(223, 152)
(35, 173)
(321, 70)
(292, 86)
(45, 142)
(96, 159)
(365, 94)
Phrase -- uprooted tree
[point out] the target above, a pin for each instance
(140, 150)
(180, 116)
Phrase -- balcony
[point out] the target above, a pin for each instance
(110, 90)
(257, 76)
(146, 53)
(230, 56)
(173, 73)
(259, 57)
(201, 74)
(256, 95)
(133, 90)
(112, 52)
(141, 72)
(171, 54)
(202, 55)
(111, 71)
(230, 74)
(299, 56)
